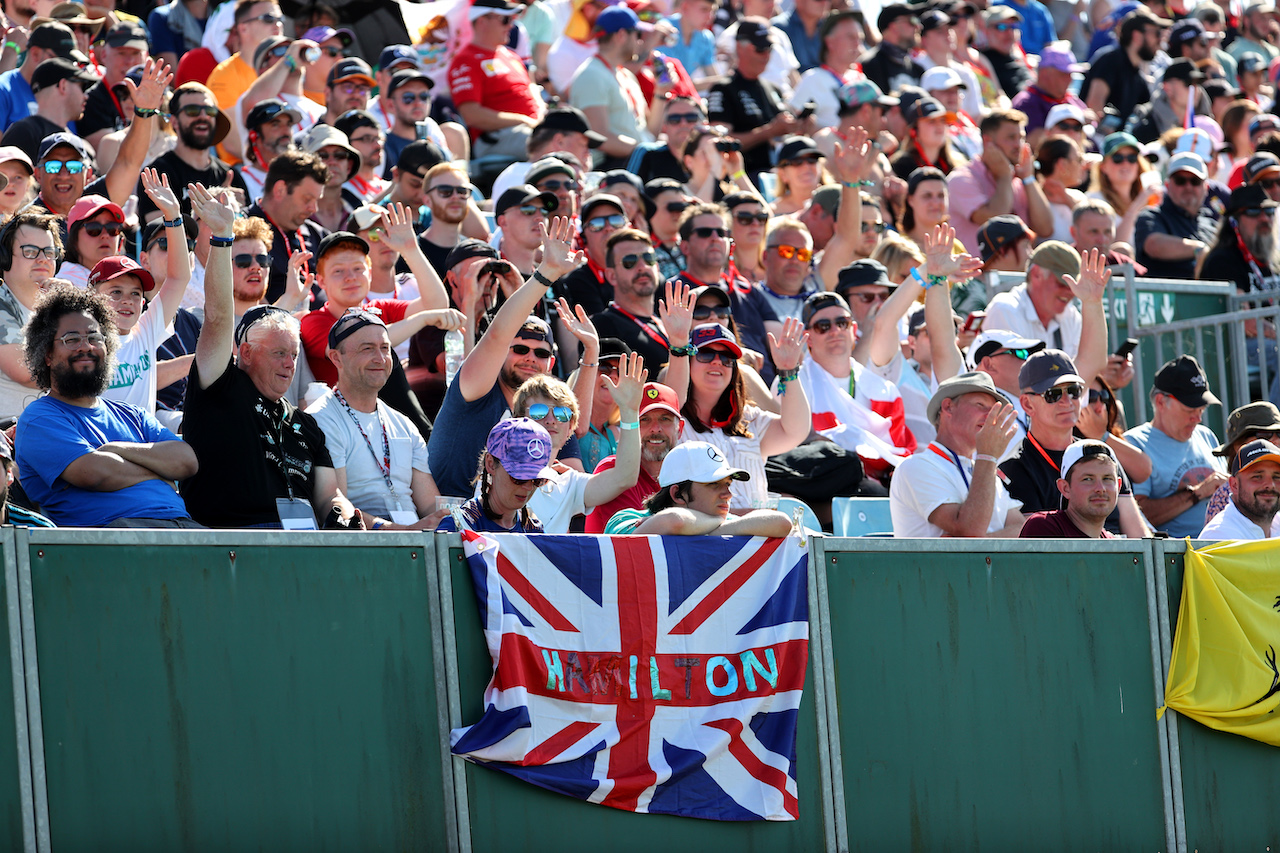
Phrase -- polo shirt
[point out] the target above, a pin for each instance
(970, 187)
(1170, 219)
(1013, 311)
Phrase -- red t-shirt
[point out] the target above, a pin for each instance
(497, 80)
(315, 335)
(632, 498)
(1053, 524)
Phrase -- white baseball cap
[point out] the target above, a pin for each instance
(941, 77)
(994, 340)
(1085, 448)
(698, 462)
(1061, 112)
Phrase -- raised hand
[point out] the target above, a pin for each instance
(940, 257)
(575, 319)
(626, 391)
(156, 76)
(158, 190)
(675, 312)
(789, 351)
(217, 213)
(397, 228)
(854, 159)
(1094, 275)
(996, 432)
(297, 280)
(446, 318)
(558, 255)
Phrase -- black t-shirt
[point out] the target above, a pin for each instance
(1012, 73)
(641, 334)
(100, 112)
(890, 67)
(28, 133)
(1127, 89)
(285, 244)
(581, 287)
(660, 163)
(1033, 480)
(436, 256)
(744, 105)
(237, 435)
(186, 333)
(1227, 263)
(180, 174)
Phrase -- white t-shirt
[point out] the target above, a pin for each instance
(820, 86)
(512, 176)
(742, 453)
(1013, 311)
(915, 394)
(406, 289)
(564, 58)
(75, 273)
(366, 487)
(134, 381)
(928, 480)
(563, 497)
(1231, 523)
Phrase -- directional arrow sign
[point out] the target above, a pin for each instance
(1166, 308)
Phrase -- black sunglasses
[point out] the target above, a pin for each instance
(95, 229)
(1096, 394)
(744, 218)
(824, 326)
(246, 260)
(556, 186)
(704, 233)
(1124, 158)
(878, 227)
(704, 312)
(1055, 393)
(521, 349)
(630, 261)
(447, 191)
(706, 356)
(1187, 181)
(676, 206)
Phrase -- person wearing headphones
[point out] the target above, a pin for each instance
(30, 248)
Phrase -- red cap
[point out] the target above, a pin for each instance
(109, 269)
(659, 396)
(92, 205)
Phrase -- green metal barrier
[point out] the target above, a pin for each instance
(509, 815)
(1230, 784)
(996, 695)
(197, 691)
(17, 827)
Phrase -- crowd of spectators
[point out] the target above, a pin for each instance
(635, 266)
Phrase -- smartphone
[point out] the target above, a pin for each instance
(809, 109)
(1127, 347)
(973, 323)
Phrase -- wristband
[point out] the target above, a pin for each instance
(853, 185)
(378, 524)
(738, 175)
(915, 273)
(1028, 180)
(144, 113)
(291, 64)
(14, 45)
(982, 457)
(936, 280)
(630, 425)
(542, 279)
(686, 350)
(177, 223)
(221, 242)
(788, 375)
(589, 364)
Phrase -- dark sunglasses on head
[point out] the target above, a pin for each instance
(706, 356)
(686, 118)
(598, 223)
(539, 412)
(556, 186)
(877, 227)
(1055, 393)
(630, 261)
(95, 229)
(1096, 394)
(447, 191)
(788, 252)
(704, 233)
(194, 110)
(1187, 181)
(823, 326)
(676, 206)
(1124, 158)
(704, 312)
(522, 349)
(745, 218)
(246, 260)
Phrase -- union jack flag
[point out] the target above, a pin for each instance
(650, 674)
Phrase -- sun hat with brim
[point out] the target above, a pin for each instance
(73, 15)
(975, 382)
(326, 136)
(112, 268)
(1251, 454)
(1045, 369)
(710, 334)
(523, 447)
(1085, 448)
(993, 341)
(1249, 418)
(1115, 141)
(522, 195)
(1057, 257)
(697, 462)
(1184, 380)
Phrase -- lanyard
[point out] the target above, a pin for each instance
(279, 436)
(643, 324)
(287, 247)
(384, 464)
(1031, 438)
(954, 459)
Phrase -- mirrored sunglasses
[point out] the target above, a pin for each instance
(539, 412)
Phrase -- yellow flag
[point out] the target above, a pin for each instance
(1223, 672)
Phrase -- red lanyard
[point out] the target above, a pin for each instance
(643, 324)
(384, 466)
(1056, 467)
(954, 459)
(287, 248)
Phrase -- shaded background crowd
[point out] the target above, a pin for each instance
(515, 253)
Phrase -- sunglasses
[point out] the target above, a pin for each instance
(536, 482)
(1096, 394)
(1187, 181)
(674, 207)
(704, 312)
(1264, 434)
(335, 156)
(194, 110)
(1071, 126)
(1004, 28)
(823, 326)
(704, 233)
(375, 235)
(410, 97)
(334, 52)
(745, 218)
(707, 356)
(878, 227)
(54, 167)
(539, 412)
(521, 349)
(789, 252)
(867, 298)
(245, 261)
(1054, 394)
(684, 118)
(163, 243)
(532, 210)
(32, 252)
(1124, 158)
(1019, 354)
(598, 223)
(811, 160)
(447, 191)
(279, 50)
(556, 186)
(1268, 212)
(630, 261)
(95, 229)
(267, 18)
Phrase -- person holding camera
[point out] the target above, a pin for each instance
(715, 165)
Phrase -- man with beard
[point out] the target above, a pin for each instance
(290, 195)
(269, 126)
(1253, 31)
(1115, 77)
(1255, 495)
(889, 64)
(1244, 250)
(1090, 484)
(660, 425)
(631, 268)
(200, 126)
(346, 88)
(89, 461)
(448, 190)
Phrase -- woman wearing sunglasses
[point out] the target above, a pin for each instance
(513, 467)
(95, 230)
(1125, 180)
(568, 492)
(748, 217)
(800, 171)
(717, 408)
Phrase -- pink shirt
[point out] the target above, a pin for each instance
(970, 187)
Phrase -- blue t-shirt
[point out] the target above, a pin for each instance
(1037, 24)
(52, 434)
(481, 523)
(700, 52)
(1175, 465)
(17, 101)
(164, 39)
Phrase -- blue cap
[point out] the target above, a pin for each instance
(396, 53)
(713, 333)
(618, 18)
